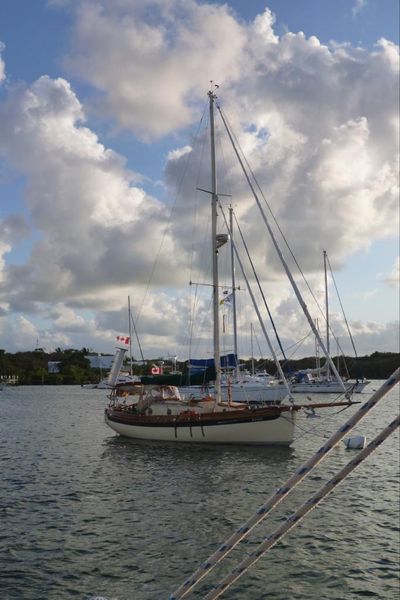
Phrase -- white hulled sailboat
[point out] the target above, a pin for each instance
(159, 412)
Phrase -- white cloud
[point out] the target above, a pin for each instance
(18, 332)
(318, 124)
(393, 278)
(380, 337)
(95, 224)
(178, 153)
(4, 249)
(2, 65)
(152, 61)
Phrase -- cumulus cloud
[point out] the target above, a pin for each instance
(2, 64)
(301, 133)
(327, 160)
(97, 228)
(318, 124)
(393, 279)
(13, 228)
(153, 60)
(382, 337)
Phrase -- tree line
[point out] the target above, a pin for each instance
(31, 367)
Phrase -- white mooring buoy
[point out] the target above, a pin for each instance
(357, 442)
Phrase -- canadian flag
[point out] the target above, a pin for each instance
(123, 339)
(155, 370)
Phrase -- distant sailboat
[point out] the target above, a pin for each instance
(123, 377)
(321, 380)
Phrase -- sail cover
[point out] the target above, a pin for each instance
(202, 364)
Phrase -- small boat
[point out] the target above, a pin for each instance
(305, 382)
(320, 380)
(246, 389)
(260, 388)
(160, 413)
(105, 385)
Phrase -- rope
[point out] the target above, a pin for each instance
(294, 519)
(284, 490)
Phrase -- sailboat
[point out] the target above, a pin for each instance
(249, 387)
(161, 413)
(260, 388)
(123, 377)
(320, 379)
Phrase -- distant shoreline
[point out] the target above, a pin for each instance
(32, 368)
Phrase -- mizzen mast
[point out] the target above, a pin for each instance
(235, 344)
(326, 314)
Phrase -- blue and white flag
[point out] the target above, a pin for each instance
(227, 300)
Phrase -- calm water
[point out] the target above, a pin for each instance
(84, 513)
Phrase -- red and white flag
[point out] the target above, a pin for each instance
(155, 370)
(123, 339)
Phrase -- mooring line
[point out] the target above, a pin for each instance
(284, 490)
(294, 519)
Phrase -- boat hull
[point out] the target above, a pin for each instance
(246, 392)
(261, 428)
(329, 387)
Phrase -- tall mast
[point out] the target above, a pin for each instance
(235, 346)
(214, 201)
(326, 313)
(317, 360)
(251, 346)
(130, 336)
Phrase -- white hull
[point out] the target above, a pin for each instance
(104, 385)
(246, 392)
(276, 432)
(250, 392)
(328, 387)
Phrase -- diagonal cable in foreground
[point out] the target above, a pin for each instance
(301, 512)
(284, 490)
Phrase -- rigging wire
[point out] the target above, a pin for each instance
(341, 306)
(280, 254)
(257, 342)
(255, 305)
(204, 247)
(294, 519)
(282, 492)
(271, 212)
(322, 420)
(297, 345)
(260, 288)
(194, 298)
(137, 337)
(169, 221)
(228, 192)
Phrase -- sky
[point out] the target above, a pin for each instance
(103, 142)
